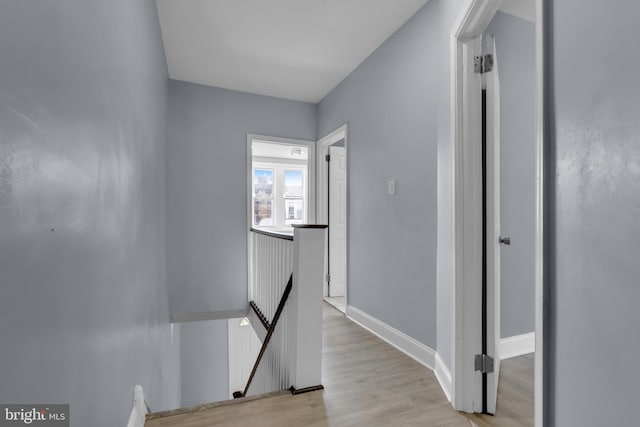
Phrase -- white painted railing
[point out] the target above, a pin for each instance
(293, 356)
(271, 266)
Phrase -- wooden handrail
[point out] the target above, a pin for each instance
(275, 234)
(285, 235)
(272, 327)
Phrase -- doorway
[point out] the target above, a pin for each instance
(478, 243)
(332, 210)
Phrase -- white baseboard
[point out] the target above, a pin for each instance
(444, 377)
(208, 315)
(517, 345)
(409, 346)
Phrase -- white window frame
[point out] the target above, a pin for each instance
(278, 196)
(311, 173)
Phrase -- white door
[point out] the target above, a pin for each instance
(491, 87)
(337, 222)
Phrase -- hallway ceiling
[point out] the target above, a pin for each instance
(293, 49)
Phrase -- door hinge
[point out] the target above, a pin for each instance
(482, 64)
(484, 363)
(327, 278)
(327, 157)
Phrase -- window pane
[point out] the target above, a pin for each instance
(263, 182)
(294, 211)
(262, 213)
(293, 184)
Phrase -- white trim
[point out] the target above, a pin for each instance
(280, 161)
(444, 377)
(517, 345)
(196, 316)
(474, 16)
(322, 217)
(538, 400)
(278, 169)
(419, 352)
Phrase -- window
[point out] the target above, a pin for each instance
(280, 183)
(263, 197)
(293, 197)
(279, 195)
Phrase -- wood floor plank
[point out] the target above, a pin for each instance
(369, 383)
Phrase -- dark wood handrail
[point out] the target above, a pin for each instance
(284, 235)
(275, 234)
(272, 327)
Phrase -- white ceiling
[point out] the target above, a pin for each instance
(293, 49)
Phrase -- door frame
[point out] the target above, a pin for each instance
(473, 19)
(541, 194)
(322, 194)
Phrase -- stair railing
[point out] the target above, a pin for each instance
(295, 356)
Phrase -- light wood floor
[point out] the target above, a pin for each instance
(337, 302)
(369, 383)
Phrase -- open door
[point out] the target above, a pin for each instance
(491, 220)
(476, 214)
(337, 222)
(481, 156)
(332, 210)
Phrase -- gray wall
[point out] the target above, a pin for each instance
(392, 105)
(593, 363)
(204, 361)
(515, 46)
(83, 305)
(207, 187)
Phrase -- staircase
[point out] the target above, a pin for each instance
(285, 314)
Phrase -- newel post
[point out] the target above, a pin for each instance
(305, 327)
